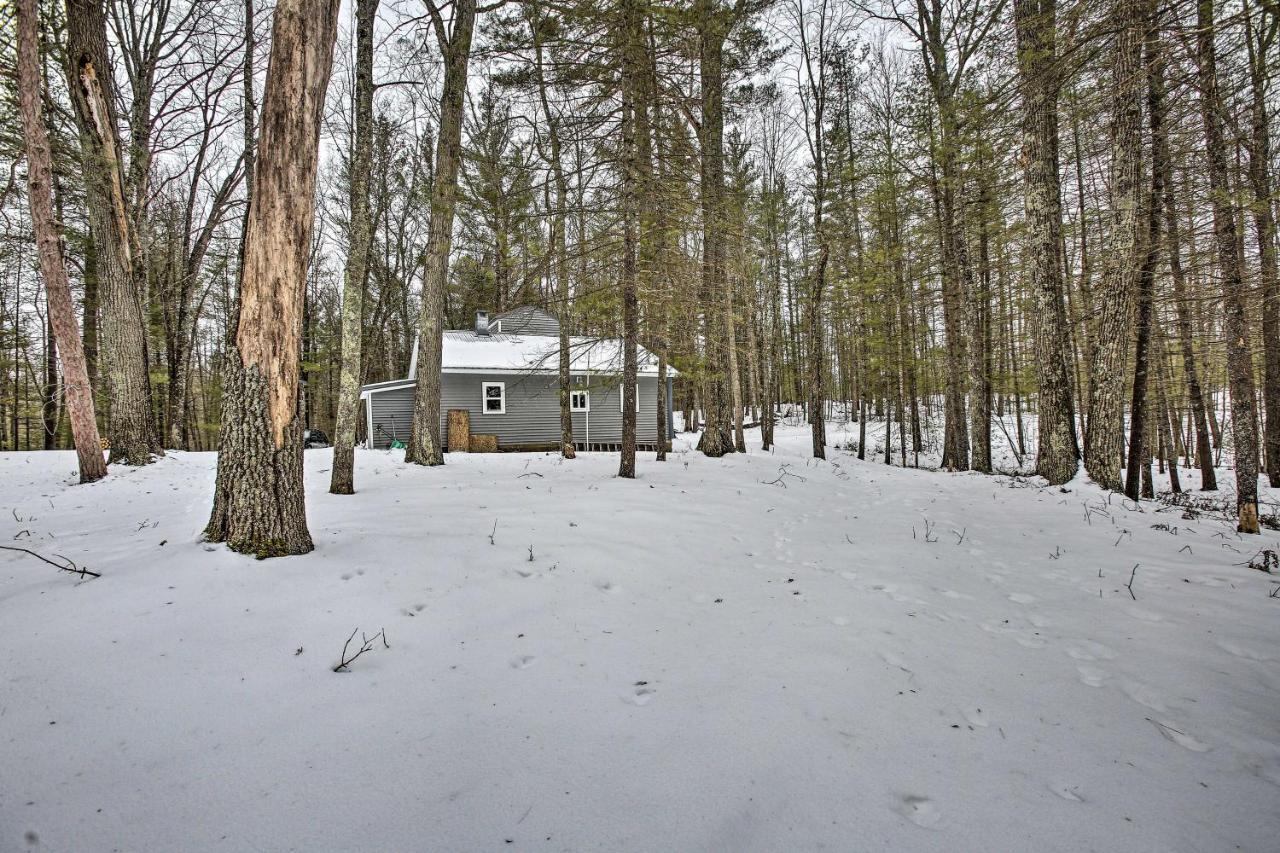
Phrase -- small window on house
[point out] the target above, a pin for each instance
(622, 396)
(580, 401)
(494, 397)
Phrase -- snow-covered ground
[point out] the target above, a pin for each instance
(755, 653)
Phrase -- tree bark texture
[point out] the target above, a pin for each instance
(424, 438)
(124, 369)
(62, 317)
(359, 245)
(258, 502)
(1231, 270)
(1036, 22)
(1122, 259)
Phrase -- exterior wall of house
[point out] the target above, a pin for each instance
(532, 410)
(525, 320)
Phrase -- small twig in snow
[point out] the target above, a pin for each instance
(1129, 585)
(366, 645)
(494, 533)
(68, 566)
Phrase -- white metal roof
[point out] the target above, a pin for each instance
(467, 352)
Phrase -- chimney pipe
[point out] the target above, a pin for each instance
(482, 323)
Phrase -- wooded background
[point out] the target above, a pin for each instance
(944, 216)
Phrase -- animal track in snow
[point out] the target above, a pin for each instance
(522, 661)
(607, 586)
(640, 696)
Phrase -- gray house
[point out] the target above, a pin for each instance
(504, 375)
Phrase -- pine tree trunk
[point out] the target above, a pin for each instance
(1140, 433)
(62, 317)
(1104, 438)
(716, 439)
(1264, 226)
(258, 503)
(1230, 268)
(124, 366)
(1163, 163)
(424, 446)
(559, 241)
(359, 245)
(1056, 454)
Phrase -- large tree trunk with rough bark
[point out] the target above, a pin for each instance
(424, 438)
(1105, 436)
(1231, 270)
(124, 369)
(62, 316)
(1056, 455)
(359, 244)
(258, 501)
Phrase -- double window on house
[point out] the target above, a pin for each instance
(579, 401)
(493, 398)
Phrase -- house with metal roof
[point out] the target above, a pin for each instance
(504, 374)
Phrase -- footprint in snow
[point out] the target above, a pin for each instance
(1092, 676)
(919, 810)
(893, 660)
(640, 696)
(1144, 614)
(522, 661)
(608, 586)
(1244, 651)
(1089, 650)
(975, 717)
(1146, 696)
(1178, 734)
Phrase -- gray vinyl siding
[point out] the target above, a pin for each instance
(533, 409)
(526, 321)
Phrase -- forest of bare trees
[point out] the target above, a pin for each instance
(950, 224)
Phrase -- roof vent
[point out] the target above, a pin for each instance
(482, 323)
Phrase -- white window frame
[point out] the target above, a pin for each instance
(586, 399)
(484, 398)
(622, 396)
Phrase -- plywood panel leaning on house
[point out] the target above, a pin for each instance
(459, 430)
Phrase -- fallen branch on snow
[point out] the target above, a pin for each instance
(68, 566)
